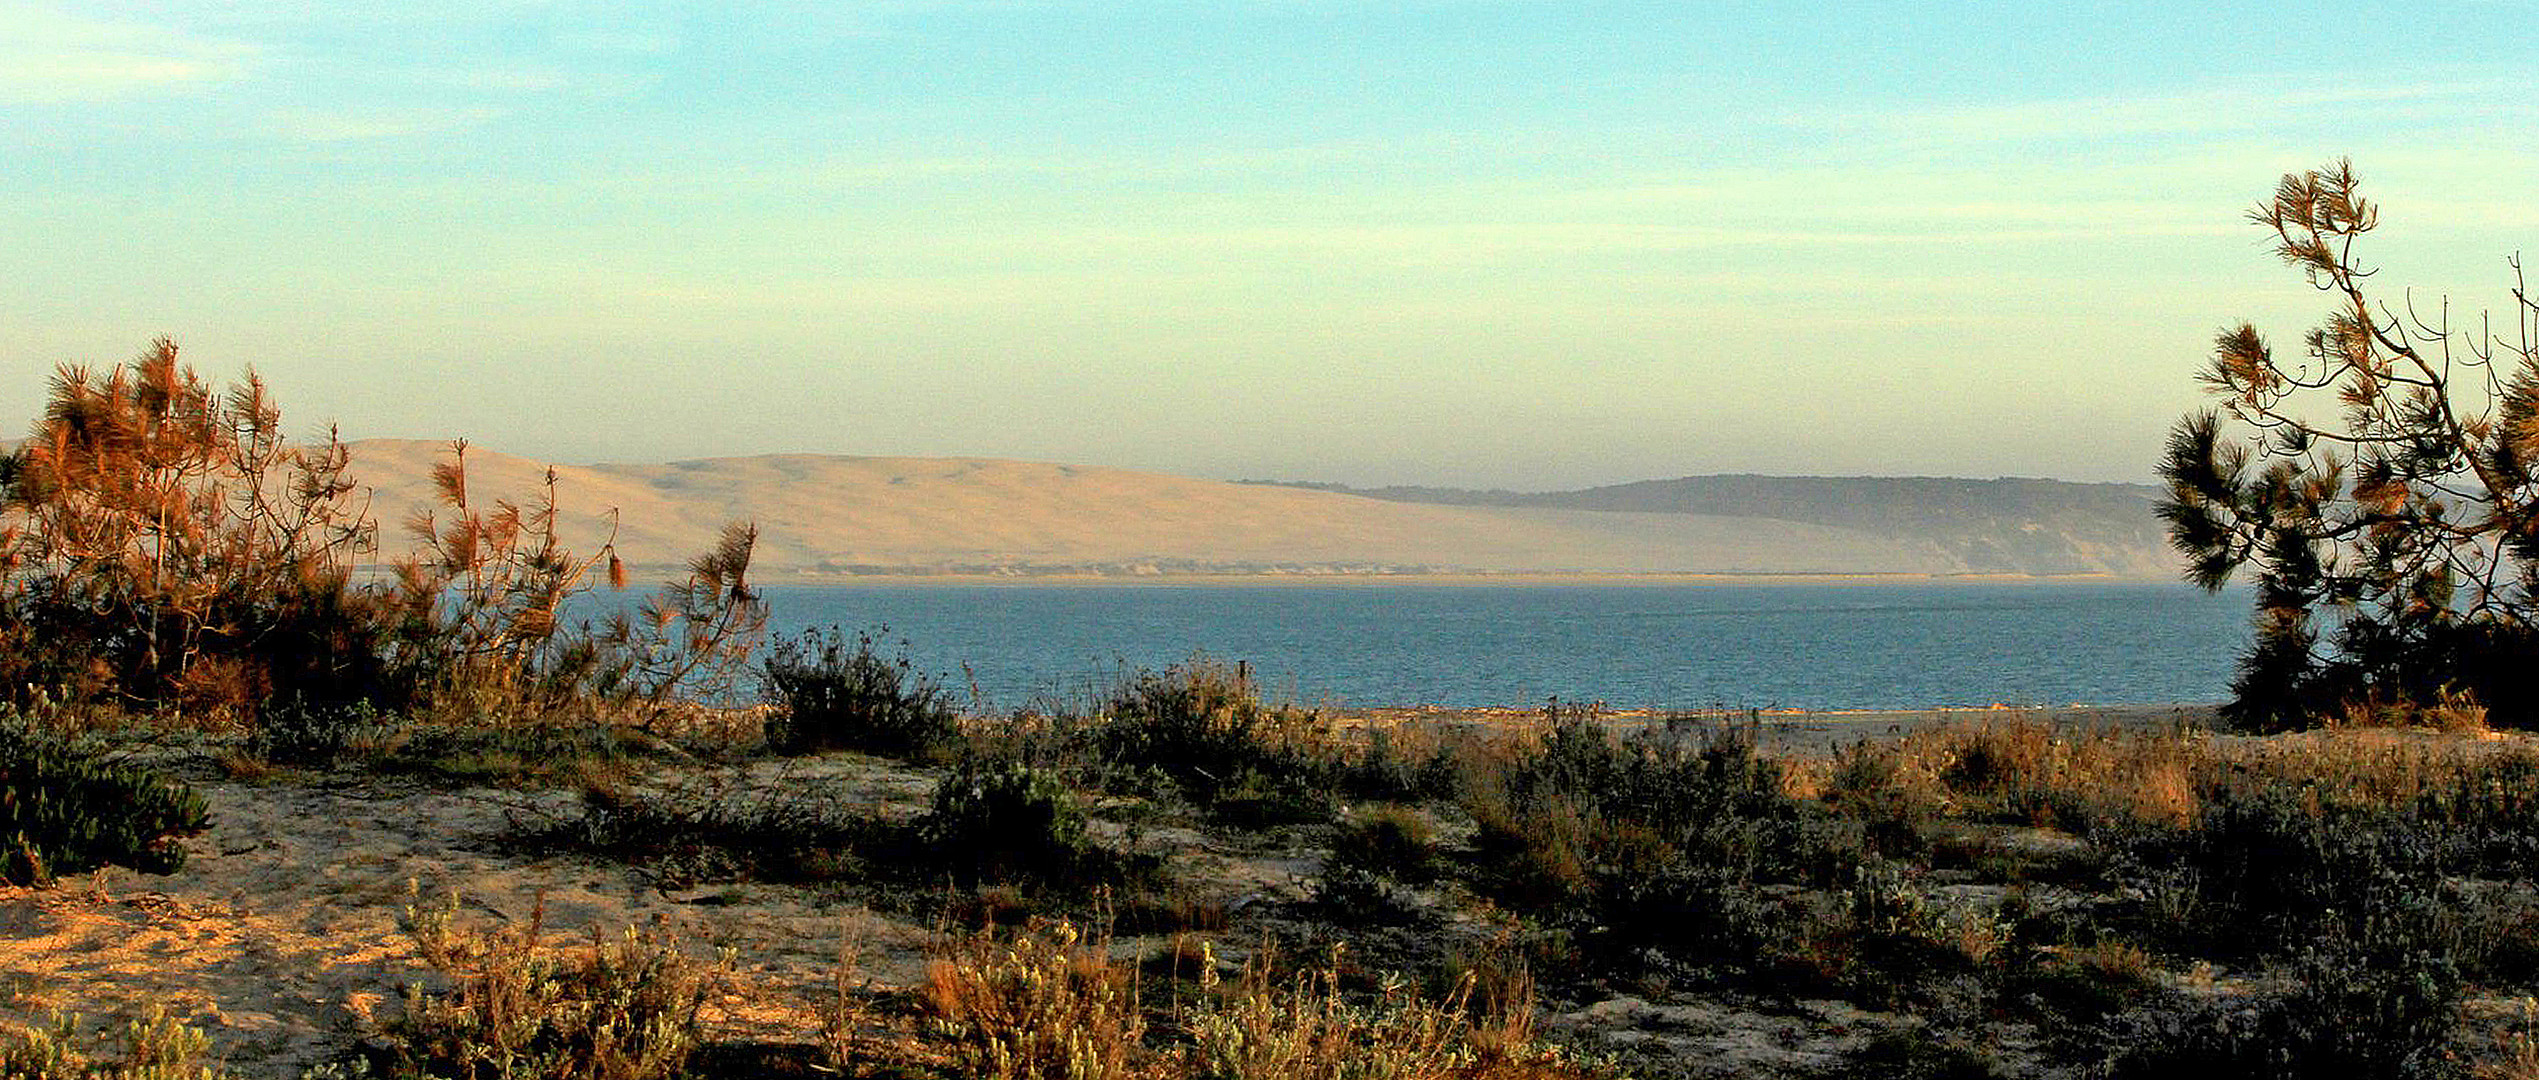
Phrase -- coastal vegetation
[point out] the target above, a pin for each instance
(1180, 877)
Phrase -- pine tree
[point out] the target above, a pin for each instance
(2395, 535)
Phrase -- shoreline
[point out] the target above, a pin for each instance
(1425, 579)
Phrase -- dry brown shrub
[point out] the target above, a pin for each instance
(162, 544)
(1305, 1027)
(1050, 1002)
(1043, 1004)
(2453, 711)
(517, 1007)
(2516, 1050)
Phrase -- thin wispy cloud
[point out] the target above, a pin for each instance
(49, 56)
(2218, 110)
(355, 125)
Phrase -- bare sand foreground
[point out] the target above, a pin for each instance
(281, 936)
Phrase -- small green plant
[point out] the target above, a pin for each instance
(65, 808)
(1915, 1052)
(831, 693)
(1392, 842)
(2088, 982)
(152, 1047)
(297, 730)
(516, 1008)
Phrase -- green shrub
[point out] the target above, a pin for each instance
(65, 808)
(1204, 726)
(298, 730)
(1393, 842)
(2352, 904)
(1008, 822)
(701, 832)
(1658, 856)
(2351, 1012)
(833, 694)
(1386, 770)
(2268, 869)
(989, 824)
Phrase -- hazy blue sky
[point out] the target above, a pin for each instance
(1524, 244)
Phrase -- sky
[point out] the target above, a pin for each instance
(1484, 243)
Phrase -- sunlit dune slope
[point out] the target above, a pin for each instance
(829, 514)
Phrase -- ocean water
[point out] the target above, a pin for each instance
(1814, 646)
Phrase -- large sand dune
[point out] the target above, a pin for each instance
(868, 515)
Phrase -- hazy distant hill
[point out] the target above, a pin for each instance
(834, 515)
(2011, 524)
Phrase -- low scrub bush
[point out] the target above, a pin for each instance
(1204, 727)
(65, 808)
(1884, 940)
(1043, 1004)
(1374, 852)
(832, 693)
(711, 830)
(1307, 1027)
(516, 1007)
(1401, 766)
(1392, 842)
(152, 1047)
(2349, 1012)
(1889, 794)
(1653, 853)
(2267, 870)
(1051, 1002)
(1008, 822)
(988, 824)
(315, 733)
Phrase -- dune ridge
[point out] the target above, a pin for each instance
(846, 517)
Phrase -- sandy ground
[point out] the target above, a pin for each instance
(281, 936)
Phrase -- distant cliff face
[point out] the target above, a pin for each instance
(847, 516)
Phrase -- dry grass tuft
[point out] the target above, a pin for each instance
(2516, 1055)
(1044, 1003)
(627, 1009)
(1305, 1027)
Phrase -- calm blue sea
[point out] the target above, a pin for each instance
(1814, 646)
